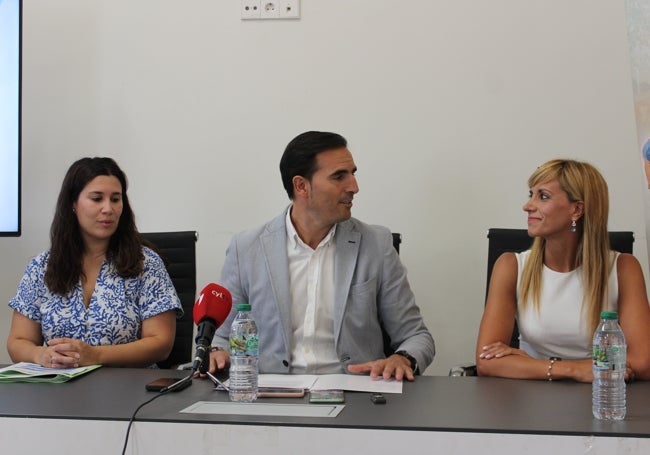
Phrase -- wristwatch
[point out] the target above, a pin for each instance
(410, 358)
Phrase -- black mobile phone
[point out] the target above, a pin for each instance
(158, 384)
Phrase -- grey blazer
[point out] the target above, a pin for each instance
(371, 288)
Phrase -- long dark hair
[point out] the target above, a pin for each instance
(64, 267)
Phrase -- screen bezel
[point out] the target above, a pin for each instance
(18, 226)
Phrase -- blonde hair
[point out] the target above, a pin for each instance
(581, 182)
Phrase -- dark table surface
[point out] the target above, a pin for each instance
(431, 403)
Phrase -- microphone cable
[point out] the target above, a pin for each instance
(163, 391)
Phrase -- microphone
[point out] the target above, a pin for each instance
(210, 310)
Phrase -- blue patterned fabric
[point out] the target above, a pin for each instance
(116, 310)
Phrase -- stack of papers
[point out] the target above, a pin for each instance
(32, 372)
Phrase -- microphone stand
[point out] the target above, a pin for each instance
(198, 365)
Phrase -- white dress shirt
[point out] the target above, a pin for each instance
(311, 275)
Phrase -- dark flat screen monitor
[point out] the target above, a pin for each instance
(10, 121)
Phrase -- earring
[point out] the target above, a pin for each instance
(573, 225)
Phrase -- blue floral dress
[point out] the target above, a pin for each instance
(116, 309)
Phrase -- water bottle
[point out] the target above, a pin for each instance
(244, 354)
(609, 358)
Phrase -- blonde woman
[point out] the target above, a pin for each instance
(557, 289)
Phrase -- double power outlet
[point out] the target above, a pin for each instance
(270, 9)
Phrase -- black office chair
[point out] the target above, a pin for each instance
(517, 240)
(178, 250)
(397, 240)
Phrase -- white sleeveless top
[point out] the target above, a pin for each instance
(559, 329)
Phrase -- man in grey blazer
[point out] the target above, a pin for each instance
(322, 285)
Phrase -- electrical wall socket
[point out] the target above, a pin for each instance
(270, 9)
(289, 9)
(250, 9)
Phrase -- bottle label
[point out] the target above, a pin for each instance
(608, 358)
(244, 345)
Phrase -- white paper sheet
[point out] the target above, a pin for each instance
(330, 381)
(357, 383)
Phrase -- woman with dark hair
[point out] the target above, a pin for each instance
(98, 295)
(557, 289)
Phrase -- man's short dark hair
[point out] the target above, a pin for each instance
(299, 157)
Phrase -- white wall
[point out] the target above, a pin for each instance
(448, 106)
